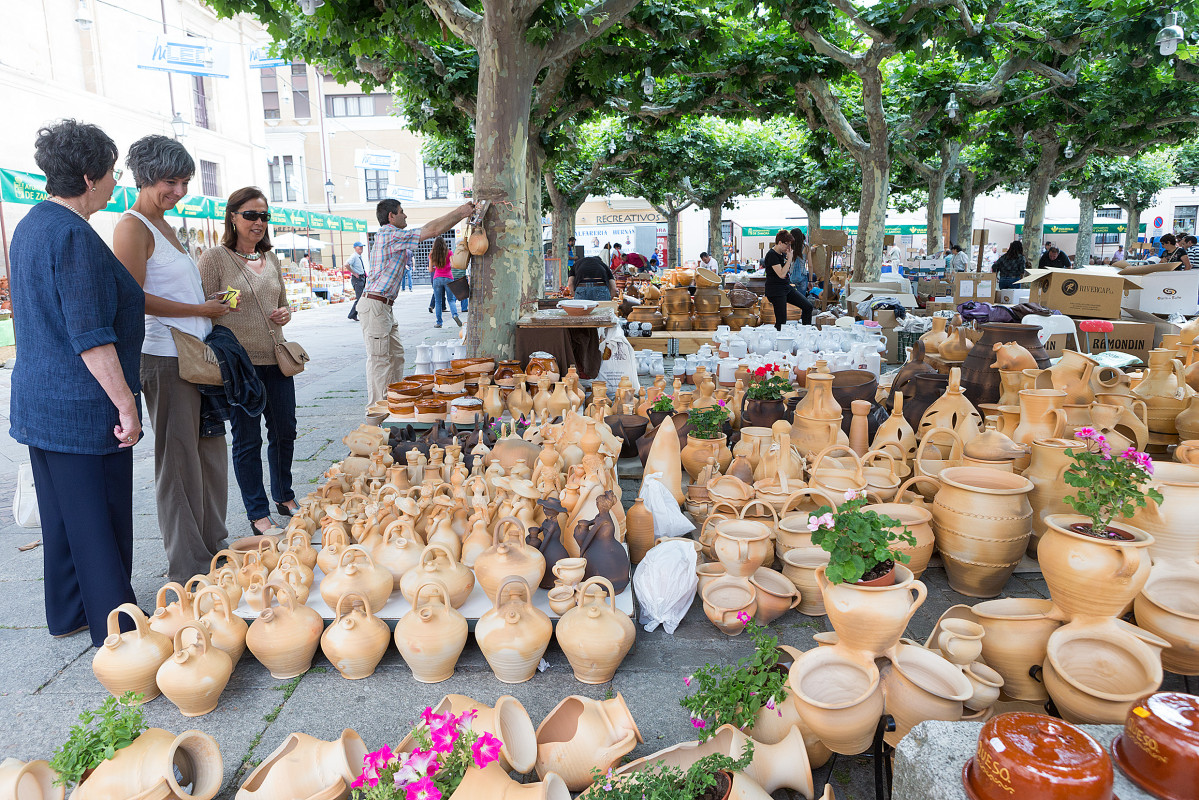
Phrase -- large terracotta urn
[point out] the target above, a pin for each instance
(1168, 606)
(982, 521)
(839, 696)
(980, 376)
(1173, 523)
(871, 619)
(1088, 575)
(697, 452)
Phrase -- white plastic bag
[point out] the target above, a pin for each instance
(665, 583)
(24, 502)
(620, 359)
(668, 520)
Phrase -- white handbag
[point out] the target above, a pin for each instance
(24, 502)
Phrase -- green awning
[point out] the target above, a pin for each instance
(1072, 227)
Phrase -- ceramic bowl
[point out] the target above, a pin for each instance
(1159, 748)
(474, 366)
(449, 380)
(1035, 757)
(578, 308)
(705, 278)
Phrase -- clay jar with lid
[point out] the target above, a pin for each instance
(595, 636)
(514, 633)
(508, 556)
(129, 662)
(1159, 748)
(430, 637)
(449, 381)
(1022, 755)
(196, 674)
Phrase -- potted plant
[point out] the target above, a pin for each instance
(1109, 485)
(764, 403)
(706, 439)
(103, 732)
(736, 694)
(860, 543)
(446, 749)
(709, 778)
(662, 408)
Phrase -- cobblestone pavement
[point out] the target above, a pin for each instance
(47, 682)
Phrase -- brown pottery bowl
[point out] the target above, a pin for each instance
(1159, 748)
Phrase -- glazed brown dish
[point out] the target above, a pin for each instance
(1159, 748)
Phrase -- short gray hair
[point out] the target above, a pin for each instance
(154, 158)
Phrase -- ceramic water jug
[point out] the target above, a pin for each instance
(514, 633)
(196, 674)
(430, 637)
(508, 556)
(357, 571)
(129, 662)
(356, 640)
(284, 637)
(596, 636)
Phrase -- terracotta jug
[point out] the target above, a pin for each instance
(982, 522)
(581, 735)
(1072, 375)
(333, 540)
(595, 636)
(196, 674)
(639, 535)
(356, 640)
(129, 662)
(560, 400)
(1016, 635)
(430, 637)
(1172, 523)
(740, 545)
(697, 452)
(514, 633)
(520, 402)
(1133, 423)
(774, 593)
(952, 410)
(839, 695)
(819, 403)
(493, 402)
(289, 563)
(438, 562)
(872, 618)
(284, 638)
(1187, 421)
(508, 556)
(1164, 391)
(1089, 576)
(955, 347)
(306, 767)
(29, 780)
(1046, 471)
(170, 617)
(395, 553)
(226, 629)
(1041, 417)
(158, 764)
(665, 457)
(933, 339)
(920, 685)
(357, 571)
(959, 640)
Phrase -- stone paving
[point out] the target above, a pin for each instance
(47, 682)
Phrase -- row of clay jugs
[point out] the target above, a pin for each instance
(306, 767)
(430, 637)
(437, 562)
(871, 619)
(29, 780)
(1164, 391)
(1088, 575)
(284, 637)
(356, 640)
(196, 673)
(158, 764)
(508, 556)
(129, 662)
(595, 636)
(513, 634)
(581, 735)
(1047, 470)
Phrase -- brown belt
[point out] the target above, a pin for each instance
(388, 300)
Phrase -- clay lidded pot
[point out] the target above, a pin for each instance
(514, 633)
(196, 674)
(284, 638)
(430, 637)
(595, 637)
(1159, 748)
(1022, 755)
(1090, 576)
(129, 662)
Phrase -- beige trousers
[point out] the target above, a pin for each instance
(191, 472)
(384, 351)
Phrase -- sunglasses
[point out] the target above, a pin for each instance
(255, 216)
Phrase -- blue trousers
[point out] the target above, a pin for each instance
(444, 296)
(86, 507)
(280, 415)
(406, 280)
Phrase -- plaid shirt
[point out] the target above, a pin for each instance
(391, 254)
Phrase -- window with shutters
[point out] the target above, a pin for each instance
(437, 184)
(350, 105)
(200, 102)
(299, 91)
(270, 93)
(1108, 213)
(210, 178)
(376, 185)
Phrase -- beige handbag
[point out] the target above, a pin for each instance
(290, 356)
(197, 362)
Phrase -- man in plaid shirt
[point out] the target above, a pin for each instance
(391, 257)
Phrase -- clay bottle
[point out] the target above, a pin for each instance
(859, 427)
(430, 637)
(128, 662)
(639, 525)
(356, 640)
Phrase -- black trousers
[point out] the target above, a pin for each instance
(793, 297)
(86, 507)
(359, 284)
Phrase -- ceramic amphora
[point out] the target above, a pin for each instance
(871, 619)
(1089, 576)
(839, 695)
(1017, 631)
(356, 640)
(306, 767)
(129, 662)
(514, 633)
(431, 635)
(1168, 606)
(582, 734)
(29, 780)
(920, 685)
(509, 556)
(284, 637)
(226, 629)
(595, 636)
(196, 674)
(436, 561)
(158, 764)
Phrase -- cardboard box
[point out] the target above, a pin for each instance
(977, 286)
(886, 318)
(1057, 343)
(834, 239)
(933, 288)
(1167, 293)
(942, 304)
(1090, 294)
(1160, 326)
(862, 293)
(1012, 297)
(1134, 338)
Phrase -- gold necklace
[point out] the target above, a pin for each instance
(65, 204)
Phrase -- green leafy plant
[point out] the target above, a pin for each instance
(1110, 485)
(663, 404)
(707, 422)
(114, 725)
(858, 541)
(661, 782)
(734, 694)
(766, 384)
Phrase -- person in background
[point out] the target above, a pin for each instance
(244, 261)
(1171, 252)
(357, 276)
(606, 254)
(894, 254)
(1192, 245)
(959, 262)
(1054, 259)
(991, 256)
(79, 321)
(439, 266)
(406, 281)
(800, 250)
(948, 256)
(455, 274)
(1011, 266)
(779, 290)
(306, 262)
(617, 257)
(570, 254)
(591, 279)
(635, 262)
(706, 261)
(654, 264)
(1119, 254)
(191, 471)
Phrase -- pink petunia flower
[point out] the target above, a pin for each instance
(486, 750)
(422, 790)
(687, 681)
(770, 703)
(743, 617)
(698, 724)
(444, 737)
(423, 762)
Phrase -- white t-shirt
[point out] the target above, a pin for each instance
(171, 275)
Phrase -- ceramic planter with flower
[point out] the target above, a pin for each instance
(706, 440)
(764, 403)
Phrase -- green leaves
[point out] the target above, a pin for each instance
(116, 724)
(858, 539)
(734, 694)
(1112, 484)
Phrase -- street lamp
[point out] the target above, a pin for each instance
(952, 106)
(179, 126)
(83, 16)
(647, 85)
(1069, 151)
(309, 7)
(329, 189)
(1169, 37)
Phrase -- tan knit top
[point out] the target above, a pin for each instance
(220, 269)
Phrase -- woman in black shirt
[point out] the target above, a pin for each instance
(779, 290)
(591, 279)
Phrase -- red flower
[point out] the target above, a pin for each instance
(760, 372)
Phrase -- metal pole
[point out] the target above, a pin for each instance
(4, 243)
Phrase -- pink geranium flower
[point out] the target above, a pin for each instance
(743, 617)
(1084, 433)
(486, 750)
(851, 494)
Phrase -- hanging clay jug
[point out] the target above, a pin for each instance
(357, 571)
(956, 347)
(1172, 523)
(520, 402)
(896, 431)
(306, 767)
(170, 617)
(872, 618)
(639, 534)
(982, 521)
(196, 674)
(508, 556)
(952, 410)
(933, 339)
(430, 637)
(595, 636)
(356, 640)
(29, 780)
(284, 638)
(1090, 576)
(1072, 375)
(581, 735)
(513, 634)
(1164, 391)
(226, 629)
(697, 452)
(129, 662)
(158, 764)
(665, 457)
(438, 562)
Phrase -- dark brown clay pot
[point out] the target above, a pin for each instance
(929, 387)
(904, 378)
(850, 385)
(630, 428)
(980, 381)
(656, 417)
(1022, 755)
(763, 413)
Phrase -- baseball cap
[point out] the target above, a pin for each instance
(358, 244)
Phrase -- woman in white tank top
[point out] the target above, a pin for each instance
(191, 472)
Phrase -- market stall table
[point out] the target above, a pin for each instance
(572, 341)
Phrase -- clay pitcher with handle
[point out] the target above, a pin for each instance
(430, 637)
(226, 629)
(513, 634)
(871, 619)
(595, 636)
(284, 638)
(196, 674)
(129, 662)
(356, 640)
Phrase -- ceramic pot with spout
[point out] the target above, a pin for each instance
(960, 640)
(581, 735)
(357, 571)
(395, 553)
(170, 617)
(508, 556)
(438, 562)
(1090, 576)
(871, 619)
(226, 629)
(595, 637)
(431, 635)
(356, 640)
(196, 674)
(129, 662)
(284, 638)
(158, 764)
(697, 452)
(514, 633)
(306, 767)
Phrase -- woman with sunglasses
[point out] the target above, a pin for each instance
(244, 262)
(191, 470)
